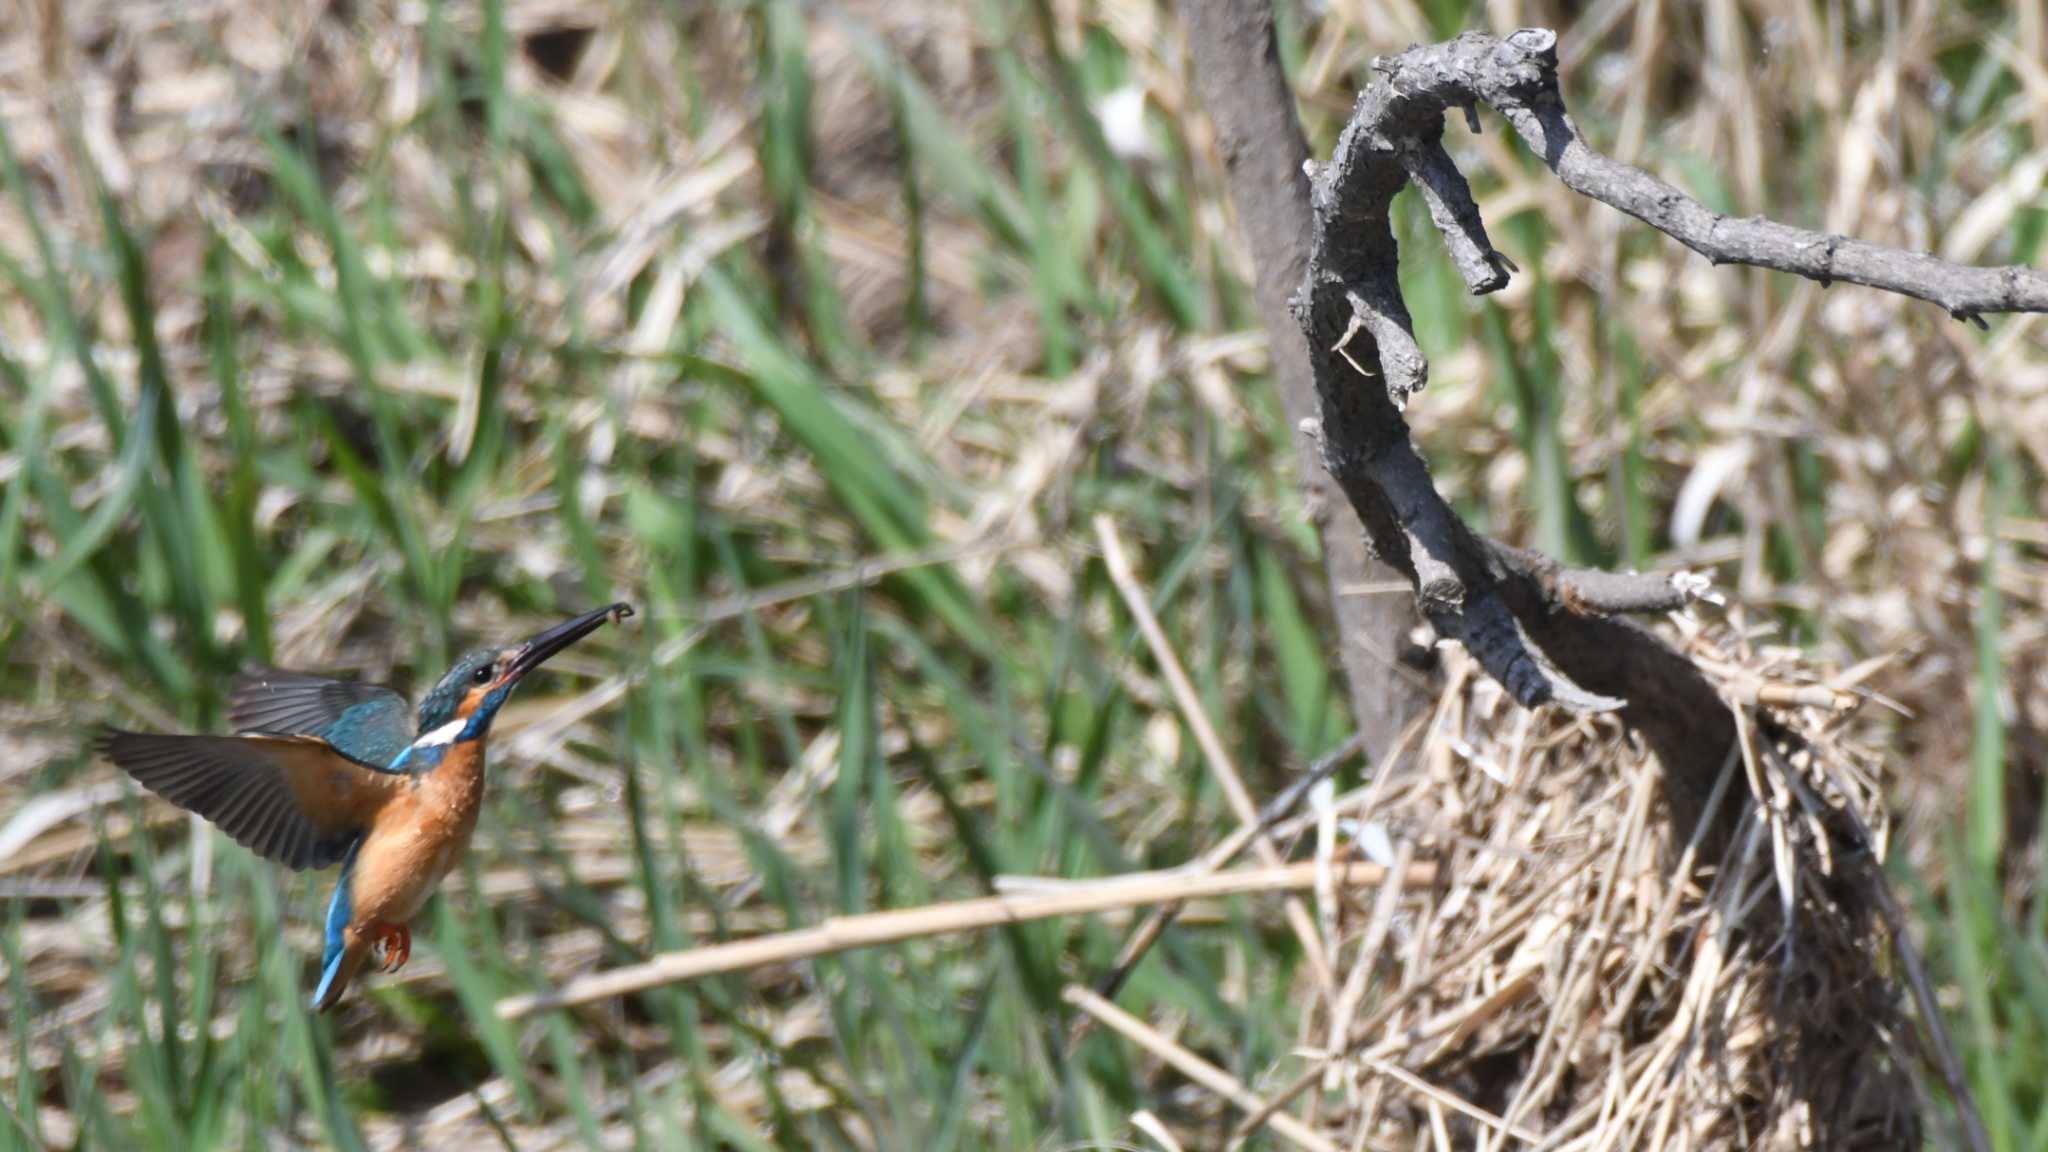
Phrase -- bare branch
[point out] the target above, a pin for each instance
(1366, 361)
(1518, 77)
(1456, 214)
(1596, 592)
(1263, 150)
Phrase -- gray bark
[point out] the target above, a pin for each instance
(1263, 152)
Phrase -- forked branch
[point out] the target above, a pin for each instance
(1518, 77)
(1499, 602)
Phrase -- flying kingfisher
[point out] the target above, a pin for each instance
(326, 772)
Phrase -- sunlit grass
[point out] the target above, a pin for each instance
(311, 449)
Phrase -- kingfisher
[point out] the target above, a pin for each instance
(324, 772)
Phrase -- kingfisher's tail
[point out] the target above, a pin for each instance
(345, 949)
(341, 966)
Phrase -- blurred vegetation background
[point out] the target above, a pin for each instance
(343, 335)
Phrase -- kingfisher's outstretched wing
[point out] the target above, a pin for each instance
(364, 722)
(292, 799)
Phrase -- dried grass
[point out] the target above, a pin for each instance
(1584, 975)
(1581, 970)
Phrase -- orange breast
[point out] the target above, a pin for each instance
(418, 838)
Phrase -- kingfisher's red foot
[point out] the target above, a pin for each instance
(395, 940)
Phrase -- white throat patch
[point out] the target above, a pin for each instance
(445, 734)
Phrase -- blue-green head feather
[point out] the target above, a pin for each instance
(475, 670)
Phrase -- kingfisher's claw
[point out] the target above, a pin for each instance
(395, 941)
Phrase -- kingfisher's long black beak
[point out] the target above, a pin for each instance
(536, 651)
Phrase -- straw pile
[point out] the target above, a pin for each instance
(1586, 975)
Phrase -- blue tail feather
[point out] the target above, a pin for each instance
(339, 910)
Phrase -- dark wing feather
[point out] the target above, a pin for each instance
(292, 799)
(367, 723)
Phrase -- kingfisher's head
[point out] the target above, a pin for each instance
(474, 689)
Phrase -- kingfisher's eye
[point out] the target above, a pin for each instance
(482, 675)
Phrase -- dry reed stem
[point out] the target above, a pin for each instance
(1510, 925)
(1195, 1068)
(843, 933)
(1438, 1096)
(1218, 758)
(1148, 931)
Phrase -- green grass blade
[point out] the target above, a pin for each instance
(1986, 817)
